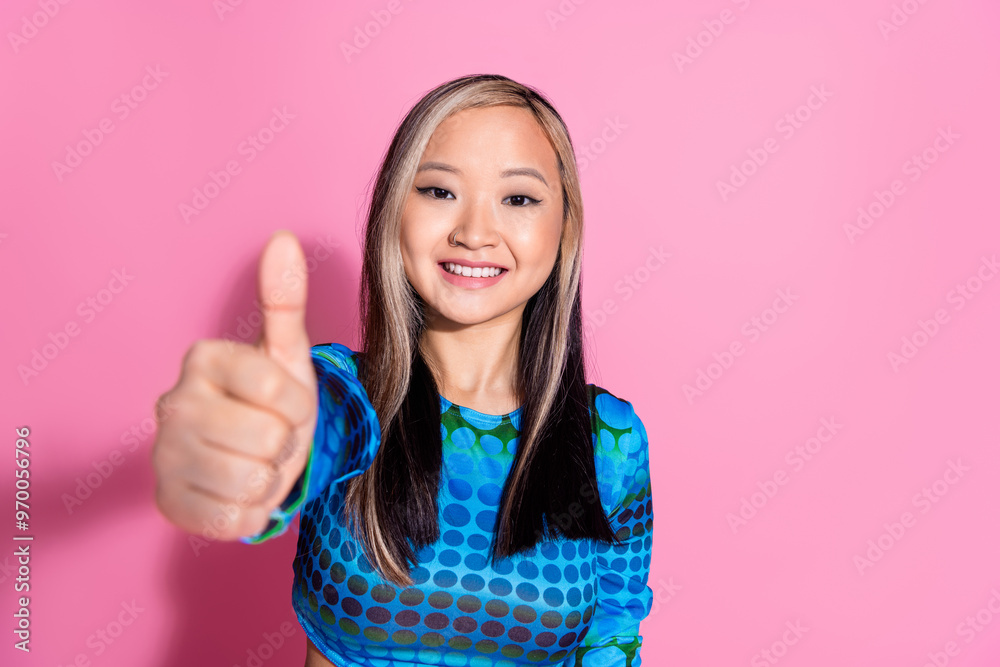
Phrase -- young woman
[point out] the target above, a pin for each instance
(467, 498)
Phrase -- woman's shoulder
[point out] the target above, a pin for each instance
(339, 355)
(621, 445)
(610, 412)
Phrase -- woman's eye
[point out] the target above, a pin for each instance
(519, 201)
(433, 192)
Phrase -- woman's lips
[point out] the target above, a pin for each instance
(470, 281)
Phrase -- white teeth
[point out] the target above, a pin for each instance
(477, 272)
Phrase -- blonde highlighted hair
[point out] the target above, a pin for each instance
(392, 506)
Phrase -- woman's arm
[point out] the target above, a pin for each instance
(346, 439)
(623, 596)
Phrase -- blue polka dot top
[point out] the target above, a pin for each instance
(576, 603)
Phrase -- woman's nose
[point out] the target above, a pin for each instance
(476, 226)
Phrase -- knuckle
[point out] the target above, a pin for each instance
(287, 446)
(286, 451)
(306, 404)
(246, 485)
(275, 434)
(186, 416)
(166, 405)
(221, 476)
(273, 495)
(270, 387)
(259, 483)
(198, 356)
(160, 406)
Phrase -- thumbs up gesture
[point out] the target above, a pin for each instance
(235, 430)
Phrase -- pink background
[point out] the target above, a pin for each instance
(661, 136)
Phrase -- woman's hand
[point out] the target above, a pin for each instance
(235, 430)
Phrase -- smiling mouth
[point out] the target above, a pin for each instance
(473, 272)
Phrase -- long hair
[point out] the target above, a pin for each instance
(551, 489)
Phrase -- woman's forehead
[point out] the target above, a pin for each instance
(483, 137)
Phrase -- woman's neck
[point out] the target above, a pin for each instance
(475, 366)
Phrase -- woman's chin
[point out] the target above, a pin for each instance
(451, 319)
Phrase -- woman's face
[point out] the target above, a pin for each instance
(489, 178)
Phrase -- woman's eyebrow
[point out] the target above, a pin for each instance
(524, 171)
(516, 171)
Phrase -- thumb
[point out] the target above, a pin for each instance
(281, 285)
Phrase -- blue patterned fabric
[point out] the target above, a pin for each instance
(576, 603)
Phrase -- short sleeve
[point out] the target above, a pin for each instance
(344, 443)
(623, 595)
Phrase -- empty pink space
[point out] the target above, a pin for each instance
(791, 269)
